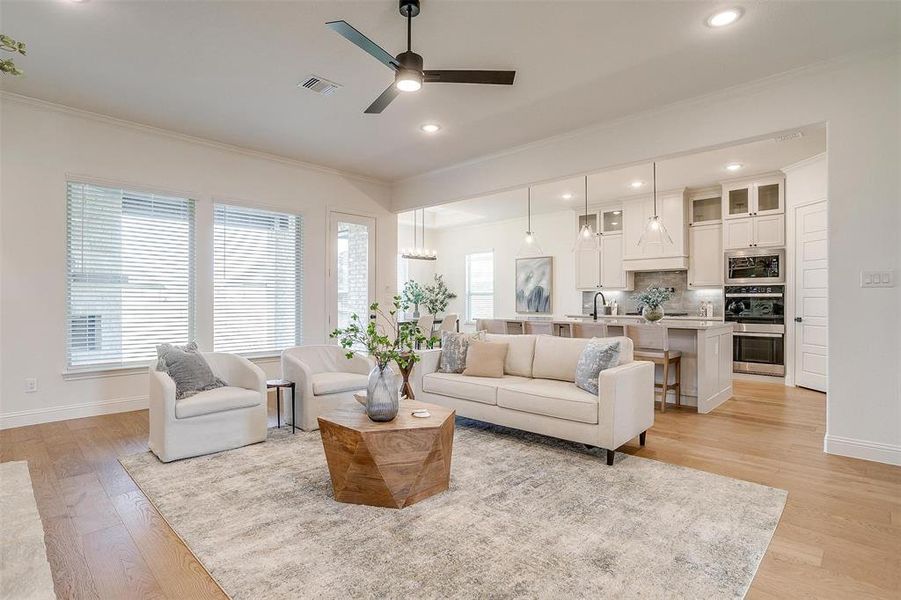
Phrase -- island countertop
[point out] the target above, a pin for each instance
(620, 321)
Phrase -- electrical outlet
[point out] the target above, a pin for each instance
(31, 385)
(877, 279)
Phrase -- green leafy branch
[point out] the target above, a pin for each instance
(7, 65)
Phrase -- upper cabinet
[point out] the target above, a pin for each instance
(705, 206)
(612, 220)
(601, 266)
(705, 263)
(672, 207)
(762, 196)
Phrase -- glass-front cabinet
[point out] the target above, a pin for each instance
(612, 220)
(591, 219)
(705, 206)
(761, 196)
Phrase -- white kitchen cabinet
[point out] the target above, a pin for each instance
(612, 273)
(588, 268)
(705, 258)
(757, 197)
(769, 231)
(754, 232)
(672, 207)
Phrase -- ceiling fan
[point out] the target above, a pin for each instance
(407, 66)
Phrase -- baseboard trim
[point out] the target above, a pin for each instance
(50, 414)
(874, 451)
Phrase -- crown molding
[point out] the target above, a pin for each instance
(738, 90)
(101, 118)
(804, 163)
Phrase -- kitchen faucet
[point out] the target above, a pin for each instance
(594, 315)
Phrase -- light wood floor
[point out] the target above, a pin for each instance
(839, 537)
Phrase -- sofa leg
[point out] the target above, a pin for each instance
(641, 438)
(610, 454)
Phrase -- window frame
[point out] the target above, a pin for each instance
(468, 293)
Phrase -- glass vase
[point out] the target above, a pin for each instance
(652, 315)
(382, 394)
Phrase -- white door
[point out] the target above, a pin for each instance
(705, 255)
(351, 270)
(811, 310)
(612, 274)
(738, 234)
(769, 231)
(588, 268)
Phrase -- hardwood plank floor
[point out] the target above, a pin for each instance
(839, 537)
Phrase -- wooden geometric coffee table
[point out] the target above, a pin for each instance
(392, 464)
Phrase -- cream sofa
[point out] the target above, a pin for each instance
(210, 421)
(537, 392)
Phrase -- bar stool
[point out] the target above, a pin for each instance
(652, 344)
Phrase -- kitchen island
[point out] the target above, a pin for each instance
(706, 347)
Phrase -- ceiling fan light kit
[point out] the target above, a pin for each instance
(409, 74)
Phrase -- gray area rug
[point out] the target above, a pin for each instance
(24, 570)
(526, 517)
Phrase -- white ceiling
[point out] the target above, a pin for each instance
(228, 71)
(697, 170)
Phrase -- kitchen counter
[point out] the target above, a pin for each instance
(639, 317)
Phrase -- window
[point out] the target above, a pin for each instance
(257, 280)
(130, 275)
(479, 286)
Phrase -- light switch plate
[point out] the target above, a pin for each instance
(877, 279)
(31, 385)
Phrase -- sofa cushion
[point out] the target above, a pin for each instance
(485, 359)
(333, 383)
(453, 350)
(560, 399)
(457, 385)
(599, 354)
(188, 369)
(216, 400)
(557, 357)
(520, 353)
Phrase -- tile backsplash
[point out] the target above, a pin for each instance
(683, 300)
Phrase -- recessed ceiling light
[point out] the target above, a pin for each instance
(430, 127)
(567, 196)
(734, 166)
(637, 184)
(616, 212)
(724, 17)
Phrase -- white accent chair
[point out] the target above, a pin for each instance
(213, 420)
(449, 322)
(324, 377)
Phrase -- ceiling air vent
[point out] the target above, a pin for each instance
(789, 136)
(319, 85)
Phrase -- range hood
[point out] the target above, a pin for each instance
(670, 263)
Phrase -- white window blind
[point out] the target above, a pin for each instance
(479, 286)
(258, 279)
(130, 275)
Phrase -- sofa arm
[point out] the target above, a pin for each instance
(294, 369)
(237, 371)
(162, 393)
(625, 403)
(428, 363)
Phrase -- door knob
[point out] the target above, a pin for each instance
(798, 319)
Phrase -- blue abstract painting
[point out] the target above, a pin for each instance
(534, 284)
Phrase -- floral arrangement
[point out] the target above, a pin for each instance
(384, 340)
(437, 296)
(654, 296)
(413, 295)
(10, 45)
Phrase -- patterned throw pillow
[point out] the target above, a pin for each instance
(599, 354)
(187, 368)
(453, 350)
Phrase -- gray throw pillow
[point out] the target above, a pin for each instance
(599, 354)
(453, 350)
(187, 368)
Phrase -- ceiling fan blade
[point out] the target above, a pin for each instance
(364, 43)
(383, 100)
(487, 77)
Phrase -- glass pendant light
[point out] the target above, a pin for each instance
(587, 238)
(654, 230)
(529, 246)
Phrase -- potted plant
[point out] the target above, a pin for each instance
(386, 342)
(651, 300)
(412, 295)
(437, 296)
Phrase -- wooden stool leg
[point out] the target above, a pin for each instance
(678, 386)
(665, 384)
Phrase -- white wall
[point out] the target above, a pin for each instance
(554, 232)
(860, 100)
(41, 144)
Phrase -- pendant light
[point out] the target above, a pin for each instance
(529, 246)
(418, 252)
(654, 230)
(587, 237)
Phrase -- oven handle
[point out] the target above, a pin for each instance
(759, 335)
(754, 295)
